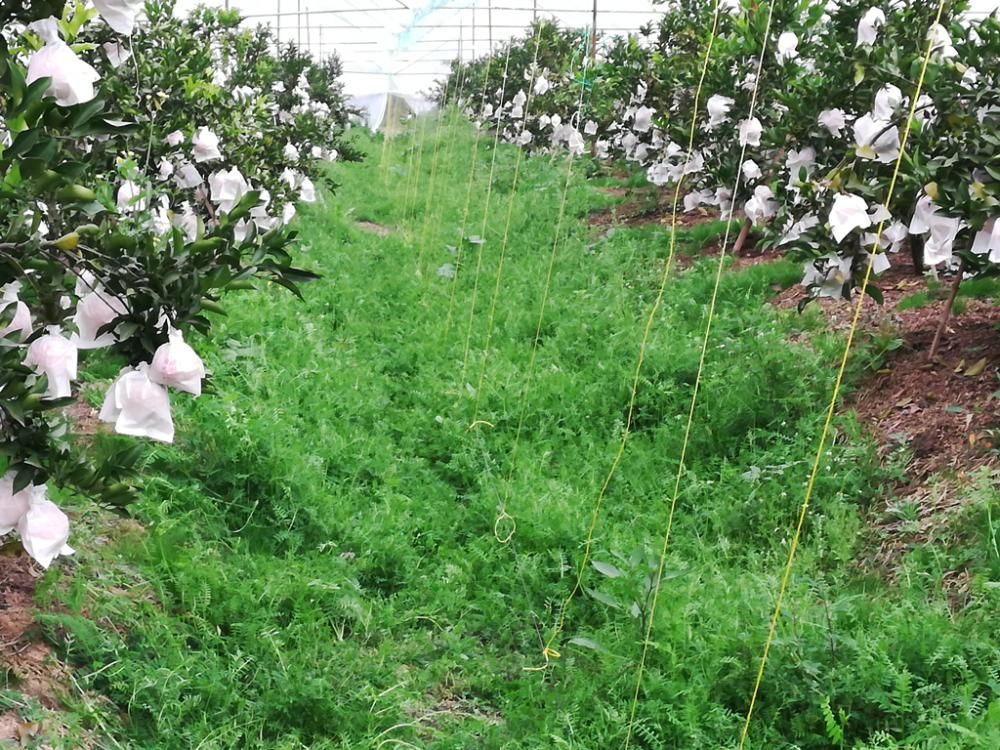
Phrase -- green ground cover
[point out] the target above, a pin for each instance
(316, 565)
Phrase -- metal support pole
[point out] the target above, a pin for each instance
(298, 30)
(309, 39)
(593, 39)
(489, 12)
(278, 34)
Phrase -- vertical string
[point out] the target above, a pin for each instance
(491, 317)
(428, 211)
(411, 200)
(486, 215)
(835, 395)
(468, 201)
(384, 163)
(689, 425)
(409, 169)
(503, 517)
(548, 652)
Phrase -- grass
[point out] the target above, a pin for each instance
(987, 288)
(316, 565)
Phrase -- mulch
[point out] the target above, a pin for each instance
(644, 206)
(26, 660)
(372, 228)
(943, 415)
(942, 412)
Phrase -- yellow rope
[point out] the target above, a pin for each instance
(383, 163)
(450, 150)
(409, 170)
(503, 517)
(491, 317)
(835, 397)
(385, 142)
(486, 216)
(713, 301)
(548, 652)
(411, 204)
(468, 203)
(428, 210)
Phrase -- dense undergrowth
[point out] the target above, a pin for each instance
(317, 567)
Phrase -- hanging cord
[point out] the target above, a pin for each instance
(688, 427)
(449, 152)
(428, 211)
(835, 396)
(410, 158)
(411, 203)
(548, 652)
(491, 317)
(504, 519)
(468, 202)
(486, 216)
(383, 163)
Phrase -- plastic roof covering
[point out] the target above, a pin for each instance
(405, 45)
(376, 106)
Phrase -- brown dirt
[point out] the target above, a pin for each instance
(27, 663)
(898, 282)
(941, 413)
(925, 515)
(373, 228)
(751, 255)
(85, 420)
(643, 206)
(441, 711)
(748, 255)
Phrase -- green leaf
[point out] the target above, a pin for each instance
(300, 275)
(23, 477)
(83, 114)
(605, 599)
(17, 84)
(24, 141)
(588, 643)
(875, 293)
(241, 209)
(606, 569)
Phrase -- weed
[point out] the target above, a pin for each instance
(319, 567)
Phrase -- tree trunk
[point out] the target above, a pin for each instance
(741, 238)
(946, 312)
(917, 253)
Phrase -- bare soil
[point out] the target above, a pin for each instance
(644, 206)
(373, 228)
(942, 412)
(27, 662)
(942, 415)
(85, 420)
(27, 665)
